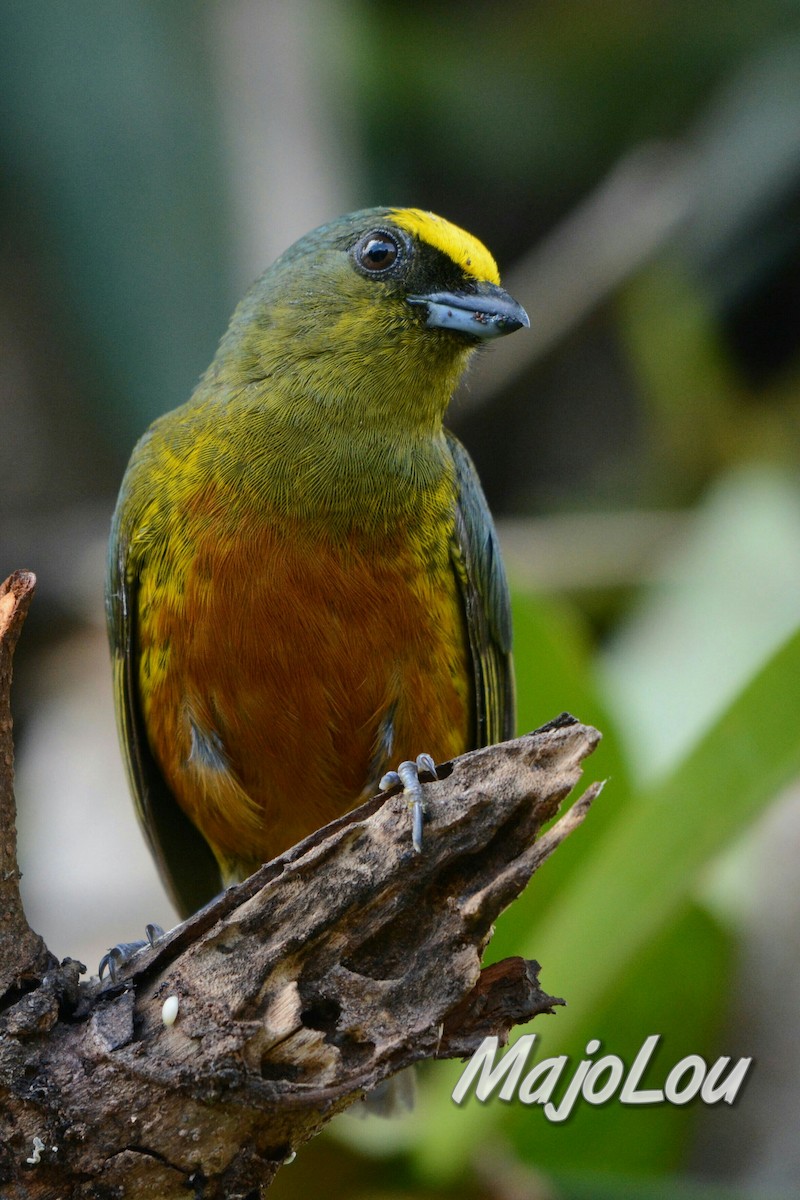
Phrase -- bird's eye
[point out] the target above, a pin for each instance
(377, 252)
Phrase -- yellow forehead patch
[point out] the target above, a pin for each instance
(464, 249)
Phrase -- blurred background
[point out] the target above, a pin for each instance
(635, 168)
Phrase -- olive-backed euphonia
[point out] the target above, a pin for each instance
(305, 584)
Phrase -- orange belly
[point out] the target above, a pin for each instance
(282, 673)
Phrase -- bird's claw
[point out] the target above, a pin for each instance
(123, 952)
(408, 774)
(153, 932)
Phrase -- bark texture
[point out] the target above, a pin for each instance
(347, 959)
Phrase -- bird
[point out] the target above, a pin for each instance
(304, 580)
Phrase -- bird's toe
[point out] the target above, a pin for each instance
(410, 774)
(121, 954)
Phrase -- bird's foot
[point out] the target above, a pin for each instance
(409, 774)
(123, 952)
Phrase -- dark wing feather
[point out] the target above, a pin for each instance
(475, 554)
(184, 859)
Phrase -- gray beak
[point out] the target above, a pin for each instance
(486, 313)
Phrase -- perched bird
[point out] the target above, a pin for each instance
(304, 580)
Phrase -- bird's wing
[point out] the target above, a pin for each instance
(475, 555)
(185, 862)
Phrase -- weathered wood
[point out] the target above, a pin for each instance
(347, 959)
(23, 955)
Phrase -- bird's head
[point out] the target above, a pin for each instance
(377, 312)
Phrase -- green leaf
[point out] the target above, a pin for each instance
(637, 878)
(554, 671)
(649, 862)
(677, 986)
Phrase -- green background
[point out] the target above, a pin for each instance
(635, 168)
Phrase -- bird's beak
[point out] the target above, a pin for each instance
(486, 313)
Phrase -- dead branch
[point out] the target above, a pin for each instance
(343, 961)
(23, 955)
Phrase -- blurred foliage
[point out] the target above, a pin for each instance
(680, 390)
(533, 103)
(113, 188)
(617, 917)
